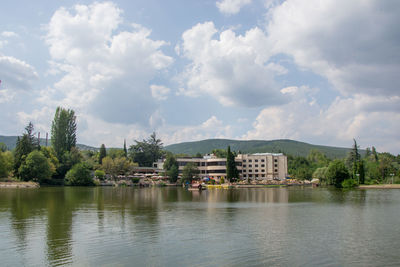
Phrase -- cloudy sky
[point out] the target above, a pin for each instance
(322, 72)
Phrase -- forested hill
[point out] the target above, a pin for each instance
(286, 146)
(11, 141)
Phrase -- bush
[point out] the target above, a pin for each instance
(79, 175)
(100, 174)
(349, 183)
(222, 180)
(135, 180)
(337, 173)
(35, 167)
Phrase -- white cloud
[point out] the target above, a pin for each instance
(231, 7)
(234, 69)
(9, 34)
(16, 74)
(159, 92)
(355, 44)
(371, 120)
(106, 71)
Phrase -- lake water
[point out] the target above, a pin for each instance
(174, 227)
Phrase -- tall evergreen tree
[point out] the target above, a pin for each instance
(103, 153)
(125, 150)
(231, 169)
(25, 145)
(63, 131)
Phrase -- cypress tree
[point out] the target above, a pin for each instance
(231, 170)
(103, 153)
(125, 150)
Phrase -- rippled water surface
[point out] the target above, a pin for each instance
(174, 227)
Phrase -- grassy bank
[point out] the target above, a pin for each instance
(380, 186)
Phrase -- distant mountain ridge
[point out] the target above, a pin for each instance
(11, 142)
(287, 146)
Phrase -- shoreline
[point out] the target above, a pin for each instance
(380, 186)
(19, 185)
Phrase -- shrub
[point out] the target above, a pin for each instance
(35, 167)
(100, 174)
(79, 175)
(135, 180)
(222, 180)
(349, 183)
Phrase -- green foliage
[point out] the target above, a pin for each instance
(100, 174)
(173, 173)
(171, 167)
(222, 180)
(190, 172)
(79, 174)
(63, 131)
(35, 167)
(116, 153)
(317, 158)
(135, 180)
(147, 152)
(125, 150)
(320, 174)
(3, 147)
(68, 159)
(337, 173)
(361, 171)
(349, 183)
(103, 153)
(118, 166)
(6, 163)
(300, 168)
(232, 172)
(220, 153)
(25, 145)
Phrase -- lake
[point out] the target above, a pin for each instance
(293, 226)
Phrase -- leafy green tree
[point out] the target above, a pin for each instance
(79, 174)
(68, 159)
(3, 147)
(300, 168)
(35, 167)
(367, 152)
(108, 166)
(147, 152)
(220, 153)
(103, 153)
(6, 163)
(320, 174)
(24, 146)
(374, 154)
(232, 172)
(173, 173)
(317, 158)
(337, 173)
(63, 131)
(122, 166)
(361, 172)
(190, 172)
(353, 159)
(116, 153)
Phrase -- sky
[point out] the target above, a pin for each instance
(322, 72)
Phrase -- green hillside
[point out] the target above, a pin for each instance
(11, 141)
(286, 146)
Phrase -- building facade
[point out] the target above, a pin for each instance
(259, 166)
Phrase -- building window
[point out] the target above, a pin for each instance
(244, 170)
(244, 165)
(262, 175)
(244, 160)
(256, 160)
(276, 160)
(262, 170)
(244, 175)
(263, 160)
(250, 165)
(256, 165)
(256, 175)
(276, 165)
(262, 165)
(249, 160)
(256, 170)
(276, 170)
(250, 175)
(250, 170)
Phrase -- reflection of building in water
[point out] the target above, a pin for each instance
(259, 166)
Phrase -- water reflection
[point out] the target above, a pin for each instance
(154, 226)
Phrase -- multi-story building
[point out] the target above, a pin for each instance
(260, 166)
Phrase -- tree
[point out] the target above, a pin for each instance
(100, 174)
(337, 173)
(317, 158)
(103, 153)
(171, 167)
(3, 147)
(35, 167)
(220, 153)
(353, 159)
(320, 174)
(147, 152)
(108, 166)
(63, 131)
(361, 172)
(375, 154)
(79, 174)
(231, 170)
(189, 172)
(6, 163)
(68, 159)
(24, 146)
(125, 151)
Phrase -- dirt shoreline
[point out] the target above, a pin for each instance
(19, 185)
(380, 186)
